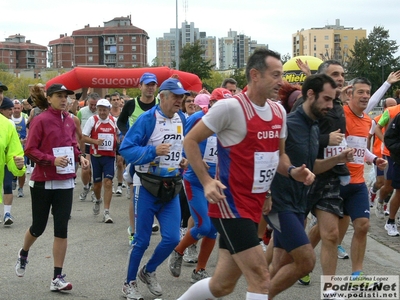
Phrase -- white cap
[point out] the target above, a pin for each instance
(103, 102)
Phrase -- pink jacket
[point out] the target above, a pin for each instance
(51, 129)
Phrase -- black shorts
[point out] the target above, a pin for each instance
(325, 195)
(236, 235)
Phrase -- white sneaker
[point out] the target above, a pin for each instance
(182, 232)
(155, 228)
(119, 191)
(391, 229)
(131, 291)
(20, 266)
(96, 207)
(379, 212)
(59, 284)
(151, 280)
(106, 217)
(190, 255)
(386, 209)
(341, 252)
(83, 195)
(175, 263)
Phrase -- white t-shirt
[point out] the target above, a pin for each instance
(227, 120)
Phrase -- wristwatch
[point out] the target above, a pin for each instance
(290, 170)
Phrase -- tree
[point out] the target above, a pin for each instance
(284, 58)
(7, 79)
(373, 57)
(155, 62)
(191, 60)
(240, 76)
(215, 80)
(3, 67)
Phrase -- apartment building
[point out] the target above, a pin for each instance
(18, 53)
(61, 52)
(187, 34)
(118, 44)
(328, 42)
(235, 49)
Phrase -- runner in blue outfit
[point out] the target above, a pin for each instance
(154, 144)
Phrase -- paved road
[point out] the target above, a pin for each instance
(97, 255)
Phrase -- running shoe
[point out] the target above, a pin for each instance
(341, 252)
(372, 197)
(131, 236)
(20, 193)
(386, 209)
(119, 191)
(131, 291)
(199, 275)
(182, 232)
(190, 255)
(379, 211)
(391, 229)
(150, 279)
(106, 217)
(59, 284)
(175, 263)
(96, 207)
(83, 195)
(155, 228)
(305, 280)
(8, 219)
(20, 266)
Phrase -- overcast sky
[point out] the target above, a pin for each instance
(267, 22)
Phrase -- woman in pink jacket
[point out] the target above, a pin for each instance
(52, 145)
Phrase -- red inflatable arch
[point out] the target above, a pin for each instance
(81, 77)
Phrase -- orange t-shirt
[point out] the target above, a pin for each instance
(392, 111)
(357, 130)
(377, 147)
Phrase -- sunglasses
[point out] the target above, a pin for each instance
(189, 101)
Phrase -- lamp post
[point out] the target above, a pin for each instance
(176, 39)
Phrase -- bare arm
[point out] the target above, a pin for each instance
(323, 165)
(89, 140)
(378, 132)
(212, 187)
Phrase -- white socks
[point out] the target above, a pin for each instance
(254, 296)
(199, 291)
(7, 209)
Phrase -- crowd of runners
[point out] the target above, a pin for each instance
(240, 168)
